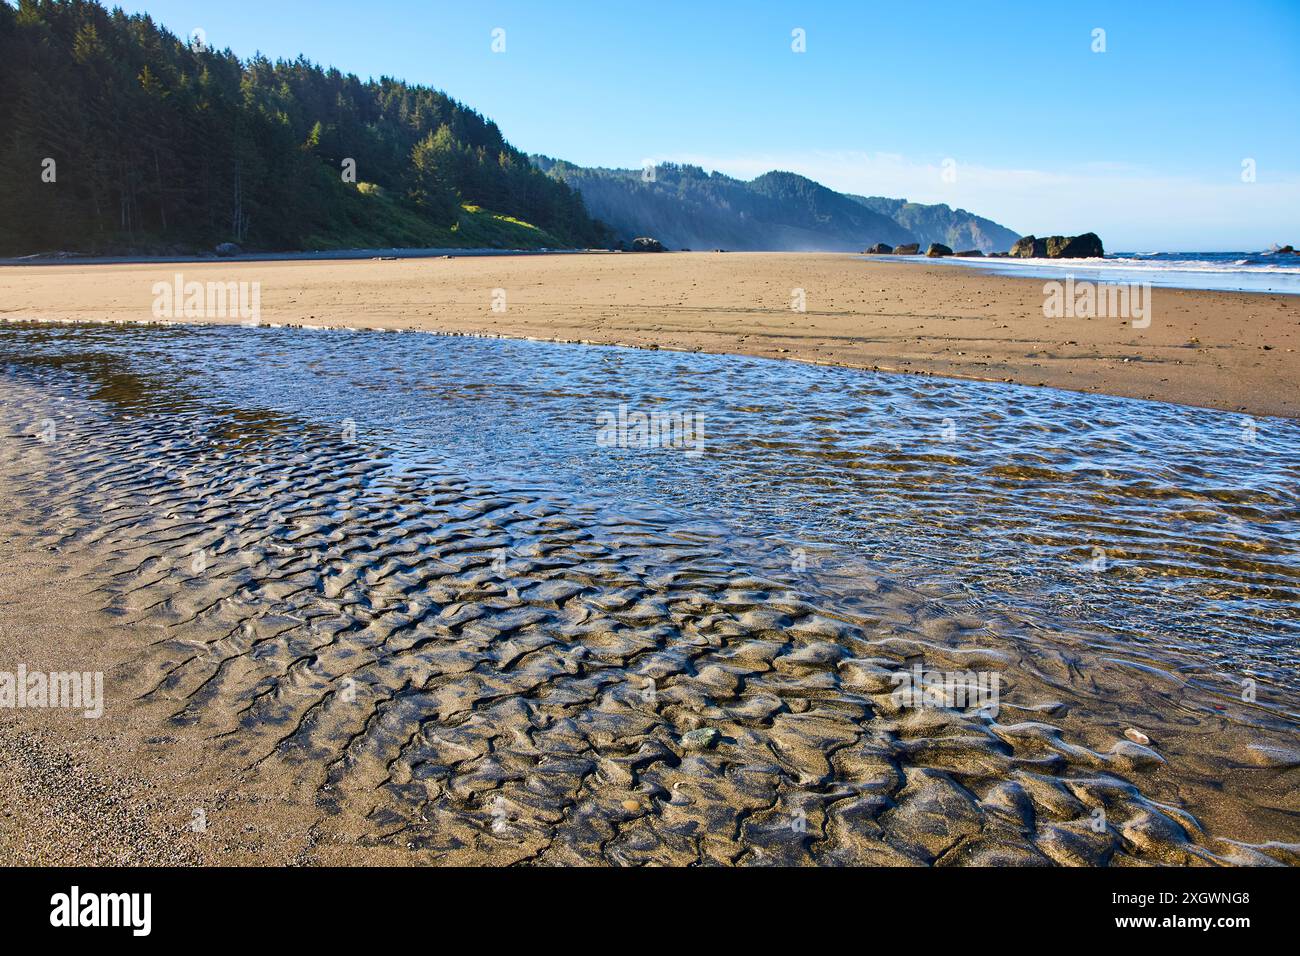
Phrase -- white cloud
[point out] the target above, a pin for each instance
(1132, 208)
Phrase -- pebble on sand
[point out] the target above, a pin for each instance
(1137, 736)
(701, 739)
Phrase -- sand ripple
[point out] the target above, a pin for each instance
(487, 671)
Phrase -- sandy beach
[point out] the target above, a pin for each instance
(587, 440)
(1230, 351)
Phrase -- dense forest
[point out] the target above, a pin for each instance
(115, 135)
(685, 206)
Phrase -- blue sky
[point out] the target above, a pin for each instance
(1143, 143)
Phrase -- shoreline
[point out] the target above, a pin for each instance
(1113, 271)
(1036, 269)
(323, 255)
(1233, 351)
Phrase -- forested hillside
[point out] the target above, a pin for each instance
(115, 135)
(684, 206)
(955, 228)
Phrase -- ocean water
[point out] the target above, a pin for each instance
(1219, 271)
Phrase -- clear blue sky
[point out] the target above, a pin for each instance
(1143, 143)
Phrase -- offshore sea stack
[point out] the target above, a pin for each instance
(1085, 246)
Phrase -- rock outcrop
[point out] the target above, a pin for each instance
(646, 244)
(969, 254)
(937, 250)
(227, 249)
(1085, 246)
(1029, 247)
(909, 249)
(879, 249)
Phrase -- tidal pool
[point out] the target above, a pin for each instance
(1145, 523)
(428, 581)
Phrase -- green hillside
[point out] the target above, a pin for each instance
(116, 136)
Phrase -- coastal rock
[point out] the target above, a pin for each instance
(879, 249)
(227, 249)
(1055, 246)
(908, 249)
(646, 244)
(969, 254)
(1282, 251)
(1085, 246)
(1028, 247)
(937, 249)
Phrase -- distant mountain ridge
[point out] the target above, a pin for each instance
(955, 228)
(685, 207)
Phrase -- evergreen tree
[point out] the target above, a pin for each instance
(159, 145)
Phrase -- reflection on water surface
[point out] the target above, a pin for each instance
(1153, 524)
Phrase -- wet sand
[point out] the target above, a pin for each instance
(1232, 351)
(349, 674)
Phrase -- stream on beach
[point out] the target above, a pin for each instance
(572, 647)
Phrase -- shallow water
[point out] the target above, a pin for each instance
(399, 573)
(1157, 524)
(1139, 523)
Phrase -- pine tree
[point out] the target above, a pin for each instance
(160, 144)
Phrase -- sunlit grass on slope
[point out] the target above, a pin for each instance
(371, 219)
